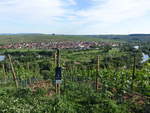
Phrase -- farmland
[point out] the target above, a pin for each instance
(106, 77)
(19, 38)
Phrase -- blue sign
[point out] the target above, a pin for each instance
(58, 73)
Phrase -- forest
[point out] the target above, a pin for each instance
(100, 79)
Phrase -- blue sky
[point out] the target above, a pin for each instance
(75, 16)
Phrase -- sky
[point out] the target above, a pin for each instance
(75, 16)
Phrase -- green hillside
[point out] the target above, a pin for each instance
(5, 39)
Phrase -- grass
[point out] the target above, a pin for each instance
(80, 56)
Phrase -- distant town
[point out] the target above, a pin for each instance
(61, 45)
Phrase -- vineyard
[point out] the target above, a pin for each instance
(104, 80)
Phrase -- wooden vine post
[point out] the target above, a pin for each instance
(58, 73)
(133, 73)
(97, 73)
(4, 72)
(13, 71)
(55, 58)
(28, 66)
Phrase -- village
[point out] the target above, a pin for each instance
(55, 44)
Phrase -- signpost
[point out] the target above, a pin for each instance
(58, 73)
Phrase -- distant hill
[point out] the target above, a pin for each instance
(37, 37)
(128, 38)
(139, 35)
(18, 38)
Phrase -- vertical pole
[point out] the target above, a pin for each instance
(4, 71)
(58, 58)
(28, 66)
(58, 65)
(133, 73)
(13, 71)
(55, 58)
(97, 73)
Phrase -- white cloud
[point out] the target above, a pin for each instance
(108, 13)
(32, 10)
(116, 10)
(72, 2)
(101, 15)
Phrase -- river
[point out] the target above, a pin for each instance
(2, 57)
(145, 56)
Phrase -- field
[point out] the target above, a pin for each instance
(18, 38)
(104, 79)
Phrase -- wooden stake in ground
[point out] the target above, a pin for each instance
(97, 73)
(4, 72)
(133, 73)
(13, 71)
(55, 58)
(28, 66)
